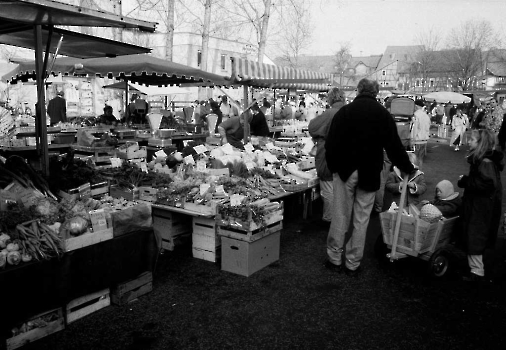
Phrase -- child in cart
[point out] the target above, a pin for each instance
(446, 199)
(416, 184)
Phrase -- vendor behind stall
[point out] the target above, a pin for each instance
(108, 117)
(258, 124)
(232, 131)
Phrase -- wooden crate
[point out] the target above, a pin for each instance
(86, 239)
(127, 291)
(205, 240)
(137, 154)
(37, 333)
(130, 195)
(99, 189)
(416, 236)
(147, 194)
(250, 230)
(170, 227)
(86, 305)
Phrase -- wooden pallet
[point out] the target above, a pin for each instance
(130, 290)
(86, 305)
(37, 333)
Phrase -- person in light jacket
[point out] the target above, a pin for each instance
(318, 128)
(420, 131)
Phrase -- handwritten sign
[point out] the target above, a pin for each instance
(249, 148)
(200, 149)
(116, 162)
(204, 188)
(201, 166)
(236, 199)
(160, 154)
(189, 159)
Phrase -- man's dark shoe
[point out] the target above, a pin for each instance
(472, 277)
(353, 273)
(333, 267)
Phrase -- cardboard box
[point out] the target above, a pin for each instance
(245, 258)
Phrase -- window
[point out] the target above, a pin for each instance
(383, 72)
(431, 84)
(223, 60)
(417, 83)
(199, 58)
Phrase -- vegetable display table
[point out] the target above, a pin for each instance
(31, 288)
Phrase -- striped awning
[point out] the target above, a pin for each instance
(263, 75)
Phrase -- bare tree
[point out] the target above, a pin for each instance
(342, 60)
(464, 56)
(296, 21)
(425, 59)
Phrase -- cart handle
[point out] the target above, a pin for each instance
(399, 217)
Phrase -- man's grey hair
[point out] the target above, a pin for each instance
(335, 95)
(368, 86)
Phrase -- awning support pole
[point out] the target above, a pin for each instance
(40, 117)
(246, 122)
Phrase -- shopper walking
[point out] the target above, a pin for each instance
(318, 128)
(459, 126)
(354, 152)
(57, 109)
(420, 131)
(482, 200)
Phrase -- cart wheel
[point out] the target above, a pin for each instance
(439, 263)
(381, 250)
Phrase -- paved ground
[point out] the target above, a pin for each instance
(297, 304)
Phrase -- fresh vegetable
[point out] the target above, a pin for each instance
(4, 240)
(12, 247)
(13, 258)
(38, 240)
(77, 226)
(3, 258)
(25, 257)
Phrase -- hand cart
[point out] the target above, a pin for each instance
(405, 236)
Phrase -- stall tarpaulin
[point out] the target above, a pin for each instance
(148, 90)
(140, 69)
(263, 75)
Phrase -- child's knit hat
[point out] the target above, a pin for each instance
(447, 191)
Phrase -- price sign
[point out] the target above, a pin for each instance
(160, 154)
(201, 166)
(189, 159)
(116, 162)
(249, 148)
(236, 199)
(204, 188)
(227, 148)
(220, 189)
(200, 149)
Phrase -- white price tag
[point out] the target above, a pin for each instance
(201, 166)
(269, 145)
(249, 148)
(144, 167)
(116, 162)
(236, 199)
(227, 148)
(204, 188)
(270, 157)
(200, 149)
(189, 159)
(220, 189)
(160, 154)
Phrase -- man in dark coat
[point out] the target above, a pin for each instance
(354, 151)
(57, 109)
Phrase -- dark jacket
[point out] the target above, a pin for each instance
(258, 125)
(394, 183)
(57, 110)
(357, 136)
(482, 202)
(318, 129)
(449, 208)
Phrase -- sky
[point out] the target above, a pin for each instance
(372, 25)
